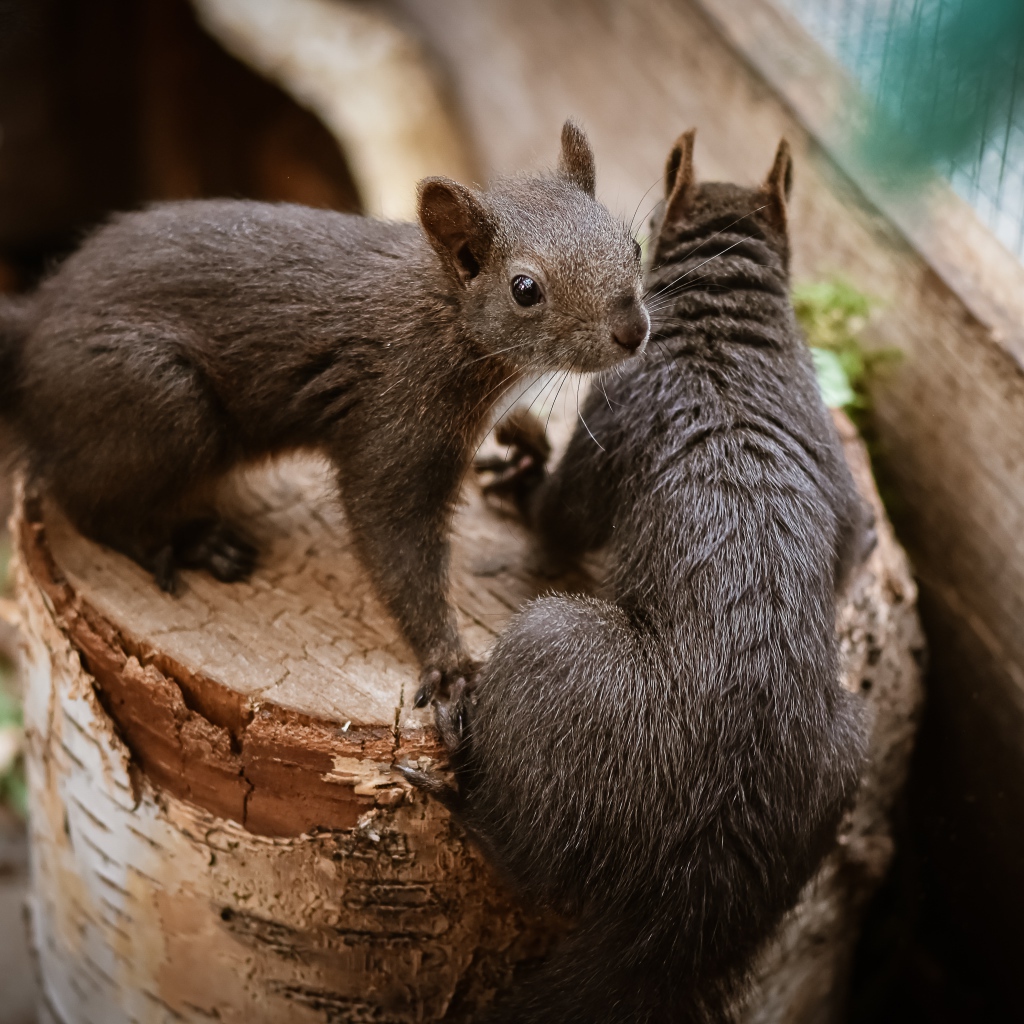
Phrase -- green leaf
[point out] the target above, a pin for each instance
(14, 789)
(832, 379)
(10, 707)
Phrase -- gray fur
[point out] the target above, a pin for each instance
(667, 765)
(183, 340)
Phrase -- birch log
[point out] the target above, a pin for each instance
(216, 830)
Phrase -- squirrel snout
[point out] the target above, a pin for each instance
(632, 332)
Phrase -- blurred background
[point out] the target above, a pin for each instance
(907, 121)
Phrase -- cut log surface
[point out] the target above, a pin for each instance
(217, 831)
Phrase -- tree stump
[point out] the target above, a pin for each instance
(216, 830)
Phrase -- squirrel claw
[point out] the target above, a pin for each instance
(523, 471)
(490, 464)
(436, 683)
(217, 547)
(429, 685)
(450, 715)
(448, 693)
(511, 474)
(432, 783)
(165, 572)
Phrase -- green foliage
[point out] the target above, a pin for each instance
(833, 379)
(832, 314)
(12, 774)
(12, 770)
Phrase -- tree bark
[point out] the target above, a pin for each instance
(216, 830)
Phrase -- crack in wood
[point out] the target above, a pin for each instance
(207, 744)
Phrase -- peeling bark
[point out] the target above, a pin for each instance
(217, 833)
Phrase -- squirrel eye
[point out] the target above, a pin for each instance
(526, 291)
(638, 252)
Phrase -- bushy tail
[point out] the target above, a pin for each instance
(597, 977)
(676, 848)
(14, 318)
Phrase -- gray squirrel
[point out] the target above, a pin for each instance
(190, 337)
(667, 764)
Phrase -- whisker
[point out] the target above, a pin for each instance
(565, 377)
(703, 241)
(547, 387)
(642, 198)
(669, 298)
(524, 370)
(498, 352)
(665, 351)
(583, 421)
(487, 433)
(718, 255)
(692, 285)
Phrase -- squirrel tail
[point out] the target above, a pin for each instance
(14, 328)
(14, 317)
(638, 952)
(598, 976)
(579, 778)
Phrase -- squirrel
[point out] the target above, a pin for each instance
(668, 764)
(190, 337)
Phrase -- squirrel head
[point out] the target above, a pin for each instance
(688, 204)
(544, 274)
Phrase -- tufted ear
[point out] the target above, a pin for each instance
(456, 225)
(680, 181)
(576, 161)
(778, 186)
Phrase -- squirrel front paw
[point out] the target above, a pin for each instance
(437, 682)
(449, 693)
(451, 716)
(523, 470)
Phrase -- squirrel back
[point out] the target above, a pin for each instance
(668, 765)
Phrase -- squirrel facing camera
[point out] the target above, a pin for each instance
(188, 338)
(542, 270)
(666, 765)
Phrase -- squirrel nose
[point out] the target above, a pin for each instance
(632, 332)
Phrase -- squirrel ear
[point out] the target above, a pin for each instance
(680, 181)
(778, 185)
(577, 159)
(456, 225)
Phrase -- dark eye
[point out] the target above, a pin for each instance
(637, 251)
(526, 291)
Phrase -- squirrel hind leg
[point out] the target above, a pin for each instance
(451, 717)
(163, 543)
(520, 474)
(523, 430)
(432, 783)
(217, 546)
(164, 570)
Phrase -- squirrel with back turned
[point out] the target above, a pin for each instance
(666, 765)
(183, 340)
